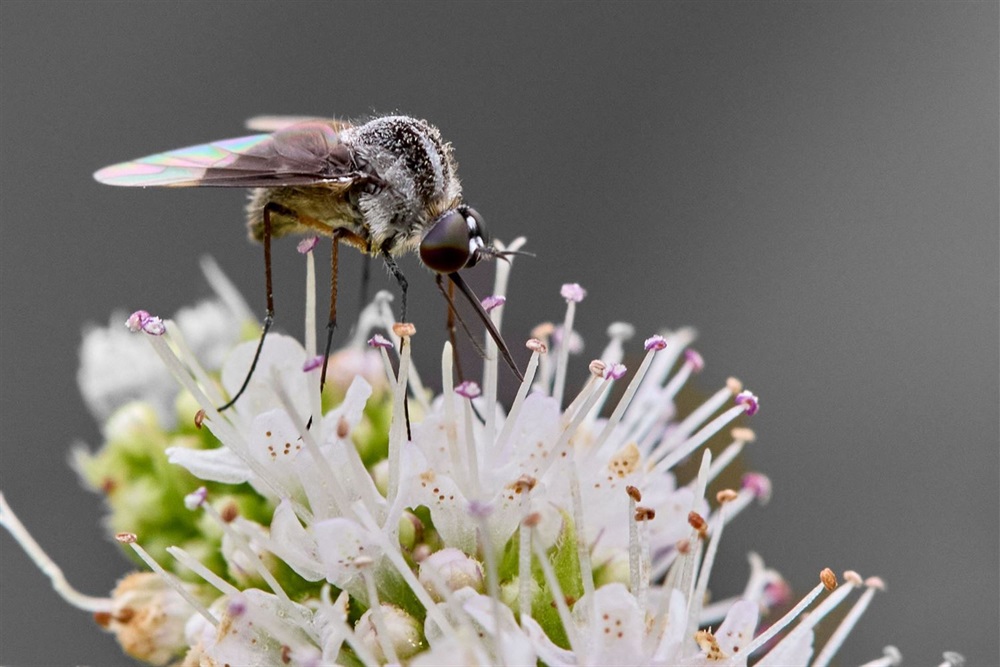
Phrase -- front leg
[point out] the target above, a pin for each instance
(390, 264)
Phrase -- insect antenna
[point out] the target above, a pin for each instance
(269, 316)
(486, 320)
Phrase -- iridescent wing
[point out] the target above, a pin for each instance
(302, 153)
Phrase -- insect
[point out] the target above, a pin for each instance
(387, 187)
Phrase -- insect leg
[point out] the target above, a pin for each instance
(365, 277)
(269, 316)
(331, 323)
(390, 264)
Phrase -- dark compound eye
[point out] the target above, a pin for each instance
(454, 241)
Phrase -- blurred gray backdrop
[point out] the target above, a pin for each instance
(813, 186)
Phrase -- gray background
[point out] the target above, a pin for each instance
(814, 186)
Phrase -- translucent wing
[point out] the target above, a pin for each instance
(271, 123)
(304, 153)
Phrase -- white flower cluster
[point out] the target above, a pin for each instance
(544, 533)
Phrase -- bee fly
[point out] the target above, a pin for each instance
(386, 187)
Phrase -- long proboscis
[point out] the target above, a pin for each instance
(487, 322)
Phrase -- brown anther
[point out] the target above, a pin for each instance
(524, 483)
(743, 434)
(126, 538)
(698, 522)
(230, 512)
(683, 546)
(124, 615)
(102, 618)
(710, 645)
(286, 654)
(199, 419)
(404, 329)
(726, 496)
(543, 330)
(532, 520)
(828, 578)
(633, 493)
(343, 428)
(597, 367)
(536, 345)
(108, 485)
(734, 386)
(645, 514)
(853, 578)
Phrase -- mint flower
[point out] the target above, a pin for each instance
(375, 522)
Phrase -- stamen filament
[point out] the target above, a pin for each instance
(48, 566)
(846, 625)
(169, 579)
(378, 619)
(193, 564)
(515, 409)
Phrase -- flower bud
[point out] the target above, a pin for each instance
(404, 633)
(453, 569)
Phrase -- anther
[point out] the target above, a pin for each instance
(743, 434)
(828, 578)
(695, 359)
(532, 520)
(572, 292)
(734, 386)
(307, 244)
(853, 578)
(229, 512)
(468, 389)
(645, 514)
(597, 367)
(875, 582)
(615, 371)
(126, 538)
(525, 483)
(758, 484)
(750, 401)
(312, 364)
(404, 329)
(196, 498)
(656, 342)
(536, 345)
(633, 493)
(378, 340)
(492, 301)
(698, 522)
(343, 428)
(726, 496)
(199, 419)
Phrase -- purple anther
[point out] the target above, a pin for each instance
(746, 398)
(196, 498)
(615, 371)
(378, 340)
(307, 244)
(136, 320)
(468, 389)
(572, 292)
(312, 364)
(493, 301)
(758, 484)
(694, 358)
(656, 342)
(140, 320)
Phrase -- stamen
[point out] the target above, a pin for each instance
(169, 579)
(451, 423)
(543, 332)
(652, 345)
(524, 576)
(226, 290)
(342, 629)
(397, 425)
(573, 294)
(307, 245)
(821, 610)
(384, 345)
(633, 540)
(691, 422)
(891, 657)
(705, 571)
(48, 566)
(582, 548)
(697, 440)
(193, 564)
(470, 390)
(847, 624)
(537, 349)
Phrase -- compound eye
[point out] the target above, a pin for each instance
(449, 245)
